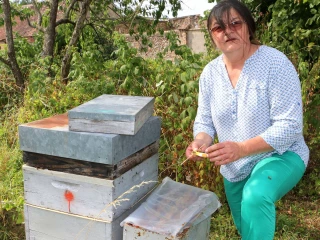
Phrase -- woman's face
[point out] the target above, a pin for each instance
(234, 37)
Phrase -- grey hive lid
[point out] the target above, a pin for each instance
(112, 108)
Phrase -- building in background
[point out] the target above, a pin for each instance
(190, 30)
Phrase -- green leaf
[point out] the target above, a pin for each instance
(310, 45)
(159, 83)
(123, 68)
(136, 70)
(192, 112)
(183, 88)
(188, 101)
(183, 77)
(183, 114)
(178, 139)
(175, 97)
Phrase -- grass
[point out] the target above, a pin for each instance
(296, 220)
(11, 194)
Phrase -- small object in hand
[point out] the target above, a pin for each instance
(200, 154)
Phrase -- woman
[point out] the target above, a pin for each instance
(250, 98)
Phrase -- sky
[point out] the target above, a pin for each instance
(193, 7)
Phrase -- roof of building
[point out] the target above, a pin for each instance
(20, 27)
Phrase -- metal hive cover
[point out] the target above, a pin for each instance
(112, 108)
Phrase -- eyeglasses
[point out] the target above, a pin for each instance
(235, 25)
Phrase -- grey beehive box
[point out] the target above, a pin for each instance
(116, 114)
(51, 136)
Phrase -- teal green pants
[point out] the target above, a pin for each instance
(252, 200)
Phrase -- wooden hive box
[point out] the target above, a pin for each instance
(116, 114)
(89, 197)
(172, 211)
(51, 136)
(45, 224)
(198, 231)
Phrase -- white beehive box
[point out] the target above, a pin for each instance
(198, 231)
(116, 114)
(45, 224)
(172, 211)
(88, 196)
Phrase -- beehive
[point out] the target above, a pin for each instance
(81, 184)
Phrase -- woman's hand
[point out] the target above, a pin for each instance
(225, 152)
(197, 145)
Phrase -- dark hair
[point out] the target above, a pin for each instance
(223, 7)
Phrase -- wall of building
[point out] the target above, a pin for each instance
(189, 30)
(196, 40)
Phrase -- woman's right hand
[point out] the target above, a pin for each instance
(197, 145)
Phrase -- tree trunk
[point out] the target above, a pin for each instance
(65, 68)
(50, 32)
(13, 64)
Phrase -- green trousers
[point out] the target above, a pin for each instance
(252, 200)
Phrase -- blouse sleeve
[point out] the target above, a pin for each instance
(285, 107)
(203, 121)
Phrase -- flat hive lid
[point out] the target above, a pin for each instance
(112, 108)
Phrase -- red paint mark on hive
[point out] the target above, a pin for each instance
(60, 120)
(69, 197)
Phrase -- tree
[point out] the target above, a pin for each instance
(96, 14)
(140, 17)
(11, 62)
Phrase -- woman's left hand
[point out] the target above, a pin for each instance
(225, 152)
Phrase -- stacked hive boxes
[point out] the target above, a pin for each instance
(86, 171)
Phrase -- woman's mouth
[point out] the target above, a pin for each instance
(231, 39)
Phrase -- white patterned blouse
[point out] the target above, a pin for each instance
(265, 102)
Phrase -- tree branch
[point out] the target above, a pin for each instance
(36, 8)
(5, 61)
(65, 67)
(64, 21)
(67, 13)
(13, 64)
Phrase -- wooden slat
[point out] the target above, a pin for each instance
(137, 158)
(86, 168)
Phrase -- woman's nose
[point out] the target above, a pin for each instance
(227, 30)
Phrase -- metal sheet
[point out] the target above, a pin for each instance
(112, 108)
(111, 114)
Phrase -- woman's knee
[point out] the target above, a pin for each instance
(256, 197)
